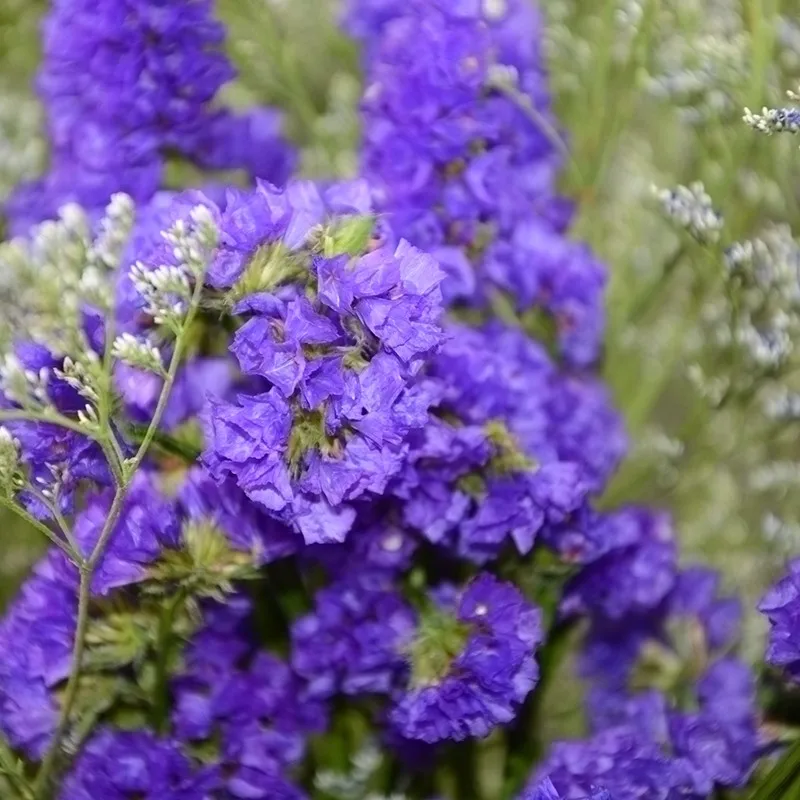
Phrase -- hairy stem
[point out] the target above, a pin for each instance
(88, 566)
(71, 554)
(26, 415)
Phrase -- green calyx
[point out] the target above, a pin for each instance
(347, 236)
(206, 565)
(308, 434)
(270, 266)
(440, 639)
(674, 668)
(507, 457)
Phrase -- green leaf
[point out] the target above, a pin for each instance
(776, 783)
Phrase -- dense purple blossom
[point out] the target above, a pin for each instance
(504, 453)
(378, 542)
(147, 525)
(339, 338)
(466, 171)
(693, 700)
(249, 703)
(781, 605)
(135, 765)
(196, 380)
(246, 526)
(127, 83)
(545, 790)
(353, 642)
(470, 670)
(636, 572)
(36, 636)
(620, 760)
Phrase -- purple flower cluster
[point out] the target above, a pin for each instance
(507, 450)
(120, 765)
(456, 672)
(781, 605)
(249, 704)
(351, 501)
(666, 673)
(127, 83)
(459, 149)
(335, 342)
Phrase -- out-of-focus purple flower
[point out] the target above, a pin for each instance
(249, 703)
(664, 672)
(500, 457)
(36, 637)
(459, 147)
(470, 671)
(126, 85)
(123, 765)
(621, 761)
(195, 381)
(544, 790)
(147, 525)
(634, 576)
(781, 605)
(246, 526)
(353, 642)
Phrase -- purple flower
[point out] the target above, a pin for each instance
(781, 605)
(251, 704)
(124, 85)
(36, 636)
(246, 526)
(619, 760)
(461, 167)
(634, 576)
(704, 713)
(544, 790)
(147, 525)
(39, 628)
(340, 337)
(470, 670)
(196, 380)
(135, 765)
(353, 641)
(498, 459)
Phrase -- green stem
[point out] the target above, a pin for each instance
(164, 642)
(777, 782)
(25, 415)
(71, 554)
(88, 566)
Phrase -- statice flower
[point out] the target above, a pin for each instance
(471, 666)
(545, 790)
(632, 573)
(775, 120)
(124, 86)
(459, 145)
(505, 453)
(353, 642)
(245, 524)
(337, 329)
(780, 606)
(123, 765)
(146, 527)
(248, 705)
(36, 634)
(619, 760)
(668, 673)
